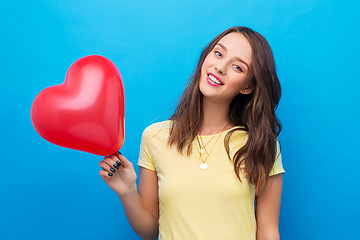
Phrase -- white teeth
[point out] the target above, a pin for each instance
(212, 78)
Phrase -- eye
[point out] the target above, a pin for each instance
(237, 67)
(218, 53)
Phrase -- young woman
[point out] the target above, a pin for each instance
(202, 170)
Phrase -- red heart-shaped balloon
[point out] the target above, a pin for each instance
(86, 112)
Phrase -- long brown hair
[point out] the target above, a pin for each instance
(254, 111)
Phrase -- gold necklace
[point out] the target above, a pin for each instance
(202, 148)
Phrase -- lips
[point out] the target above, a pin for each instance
(214, 80)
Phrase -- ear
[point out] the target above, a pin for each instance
(246, 90)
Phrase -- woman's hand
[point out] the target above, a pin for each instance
(118, 173)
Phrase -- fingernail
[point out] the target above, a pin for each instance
(110, 174)
(116, 166)
(118, 163)
(113, 170)
(119, 152)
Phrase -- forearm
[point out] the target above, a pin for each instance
(143, 223)
(268, 233)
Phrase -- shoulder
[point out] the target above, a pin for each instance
(160, 129)
(237, 135)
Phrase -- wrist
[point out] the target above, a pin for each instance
(132, 189)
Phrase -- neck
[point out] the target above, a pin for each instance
(215, 117)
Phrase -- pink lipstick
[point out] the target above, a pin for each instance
(214, 80)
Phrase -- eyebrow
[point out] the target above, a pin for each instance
(238, 58)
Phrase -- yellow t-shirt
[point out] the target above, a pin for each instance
(198, 204)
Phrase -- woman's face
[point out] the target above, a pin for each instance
(226, 70)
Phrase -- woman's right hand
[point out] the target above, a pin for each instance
(122, 177)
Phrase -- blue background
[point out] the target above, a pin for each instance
(49, 192)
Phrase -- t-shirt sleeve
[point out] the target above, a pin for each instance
(277, 167)
(145, 157)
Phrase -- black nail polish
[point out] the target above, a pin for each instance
(118, 163)
(113, 170)
(110, 174)
(116, 166)
(119, 153)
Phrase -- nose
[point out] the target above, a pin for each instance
(220, 69)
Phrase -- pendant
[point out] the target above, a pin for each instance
(203, 166)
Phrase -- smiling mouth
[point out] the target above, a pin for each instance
(214, 80)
